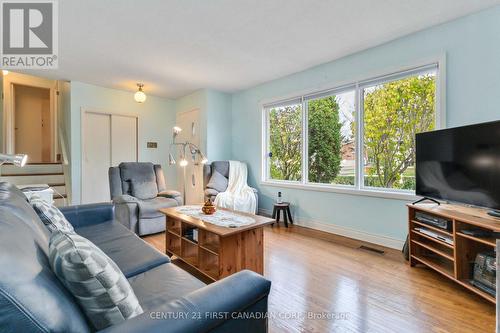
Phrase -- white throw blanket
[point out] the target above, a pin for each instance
(238, 196)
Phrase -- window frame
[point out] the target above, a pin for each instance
(266, 149)
(437, 66)
(305, 120)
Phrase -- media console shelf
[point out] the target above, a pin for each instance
(455, 261)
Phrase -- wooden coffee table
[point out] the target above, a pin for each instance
(220, 251)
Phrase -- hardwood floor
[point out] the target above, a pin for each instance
(317, 274)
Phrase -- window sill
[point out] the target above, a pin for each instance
(399, 195)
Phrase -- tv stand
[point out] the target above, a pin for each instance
(425, 199)
(453, 261)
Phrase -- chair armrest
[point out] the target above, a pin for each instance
(211, 192)
(207, 308)
(83, 215)
(169, 194)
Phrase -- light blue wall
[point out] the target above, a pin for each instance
(472, 48)
(219, 133)
(156, 119)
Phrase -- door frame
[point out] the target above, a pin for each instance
(9, 81)
(83, 112)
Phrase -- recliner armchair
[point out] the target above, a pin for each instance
(138, 191)
(221, 167)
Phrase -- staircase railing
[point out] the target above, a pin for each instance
(65, 163)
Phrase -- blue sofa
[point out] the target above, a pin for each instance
(33, 300)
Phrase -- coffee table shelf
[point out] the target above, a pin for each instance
(220, 251)
(173, 244)
(174, 227)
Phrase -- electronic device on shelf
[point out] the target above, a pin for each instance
(481, 233)
(433, 220)
(485, 272)
(445, 238)
(455, 164)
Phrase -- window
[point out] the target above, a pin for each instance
(360, 136)
(393, 113)
(285, 141)
(331, 149)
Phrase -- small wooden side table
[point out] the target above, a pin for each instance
(285, 208)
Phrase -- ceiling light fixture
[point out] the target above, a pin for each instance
(140, 96)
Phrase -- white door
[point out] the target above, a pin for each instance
(108, 140)
(123, 139)
(189, 122)
(32, 121)
(96, 156)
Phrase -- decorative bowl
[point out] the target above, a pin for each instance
(208, 208)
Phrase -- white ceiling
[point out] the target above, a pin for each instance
(177, 47)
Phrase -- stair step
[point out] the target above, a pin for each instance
(59, 189)
(34, 179)
(42, 163)
(33, 163)
(60, 202)
(9, 169)
(56, 184)
(32, 174)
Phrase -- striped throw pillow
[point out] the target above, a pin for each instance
(94, 279)
(50, 215)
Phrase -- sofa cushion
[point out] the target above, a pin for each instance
(112, 238)
(143, 189)
(16, 203)
(149, 209)
(31, 297)
(163, 284)
(94, 279)
(217, 182)
(50, 215)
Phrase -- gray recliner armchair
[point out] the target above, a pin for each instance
(213, 185)
(138, 191)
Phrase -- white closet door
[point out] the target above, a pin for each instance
(108, 140)
(123, 139)
(96, 157)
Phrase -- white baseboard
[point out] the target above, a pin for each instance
(345, 231)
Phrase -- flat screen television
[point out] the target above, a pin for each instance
(460, 164)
